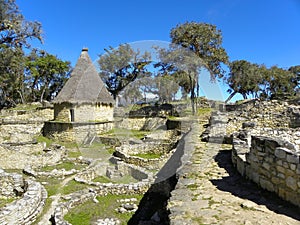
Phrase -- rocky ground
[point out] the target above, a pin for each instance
(210, 191)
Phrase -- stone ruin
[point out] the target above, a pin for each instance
(265, 136)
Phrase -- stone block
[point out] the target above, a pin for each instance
(291, 182)
(265, 184)
(281, 152)
(291, 158)
(280, 169)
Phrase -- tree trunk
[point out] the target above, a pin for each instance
(230, 96)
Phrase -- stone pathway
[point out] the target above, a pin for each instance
(210, 191)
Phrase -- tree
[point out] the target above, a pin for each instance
(183, 66)
(46, 75)
(11, 76)
(244, 78)
(14, 29)
(296, 71)
(121, 66)
(206, 42)
(281, 83)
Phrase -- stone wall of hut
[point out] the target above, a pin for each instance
(97, 112)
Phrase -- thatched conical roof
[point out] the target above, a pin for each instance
(84, 85)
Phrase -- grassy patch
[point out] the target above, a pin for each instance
(48, 141)
(102, 179)
(192, 186)
(202, 111)
(64, 165)
(53, 185)
(4, 202)
(148, 155)
(74, 154)
(89, 211)
(26, 107)
(73, 186)
(110, 150)
(120, 132)
(72, 145)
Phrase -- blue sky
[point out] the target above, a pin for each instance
(260, 31)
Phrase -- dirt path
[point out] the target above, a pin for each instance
(210, 191)
(55, 199)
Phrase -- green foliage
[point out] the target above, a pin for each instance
(195, 46)
(244, 78)
(205, 40)
(259, 81)
(12, 76)
(14, 29)
(121, 66)
(88, 212)
(46, 75)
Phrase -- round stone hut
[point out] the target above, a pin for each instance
(84, 97)
(84, 107)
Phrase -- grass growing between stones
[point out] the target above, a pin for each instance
(4, 202)
(102, 179)
(89, 212)
(64, 165)
(73, 186)
(48, 141)
(52, 185)
(74, 154)
(121, 132)
(45, 209)
(148, 155)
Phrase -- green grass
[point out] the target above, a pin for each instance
(148, 155)
(110, 150)
(201, 111)
(4, 202)
(89, 211)
(53, 185)
(74, 154)
(48, 141)
(72, 145)
(192, 186)
(120, 132)
(73, 186)
(102, 179)
(64, 165)
(26, 107)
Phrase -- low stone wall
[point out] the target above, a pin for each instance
(80, 197)
(12, 184)
(271, 163)
(75, 132)
(18, 157)
(25, 210)
(100, 169)
(141, 123)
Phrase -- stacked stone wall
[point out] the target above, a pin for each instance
(26, 209)
(272, 164)
(75, 132)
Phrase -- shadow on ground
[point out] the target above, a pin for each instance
(246, 189)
